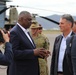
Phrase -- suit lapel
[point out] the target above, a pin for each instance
(24, 35)
(72, 33)
(59, 39)
(66, 43)
(31, 39)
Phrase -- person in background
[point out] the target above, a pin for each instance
(59, 61)
(40, 42)
(6, 57)
(74, 27)
(71, 53)
(25, 52)
(40, 29)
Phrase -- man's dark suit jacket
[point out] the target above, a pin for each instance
(55, 55)
(6, 58)
(71, 47)
(25, 63)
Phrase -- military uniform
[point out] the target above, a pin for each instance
(42, 42)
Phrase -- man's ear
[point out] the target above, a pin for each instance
(70, 24)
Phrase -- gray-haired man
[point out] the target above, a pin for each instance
(59, 64)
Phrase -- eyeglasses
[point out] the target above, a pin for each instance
(40, 28)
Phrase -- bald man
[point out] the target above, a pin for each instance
(25, 53)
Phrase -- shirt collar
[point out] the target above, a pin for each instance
(67, 35)
(25, 30)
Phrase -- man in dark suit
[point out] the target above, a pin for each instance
(59, 64)
(6, 58)
(25, 53)
(71, 53)
(74, 27)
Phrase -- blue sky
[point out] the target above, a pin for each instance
(45, 7)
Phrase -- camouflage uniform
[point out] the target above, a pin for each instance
(42, 42)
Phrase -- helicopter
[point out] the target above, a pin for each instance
(13, 14)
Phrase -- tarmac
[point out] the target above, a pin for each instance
(51, 38)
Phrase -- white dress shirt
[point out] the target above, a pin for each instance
(62, 52)
(26, 32)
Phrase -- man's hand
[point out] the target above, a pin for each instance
(47, 53)
(41, 52)
(5, 36)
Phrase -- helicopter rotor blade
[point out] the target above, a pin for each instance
(50, 20)
(3, 10)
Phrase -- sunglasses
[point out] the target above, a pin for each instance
(40, 28)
